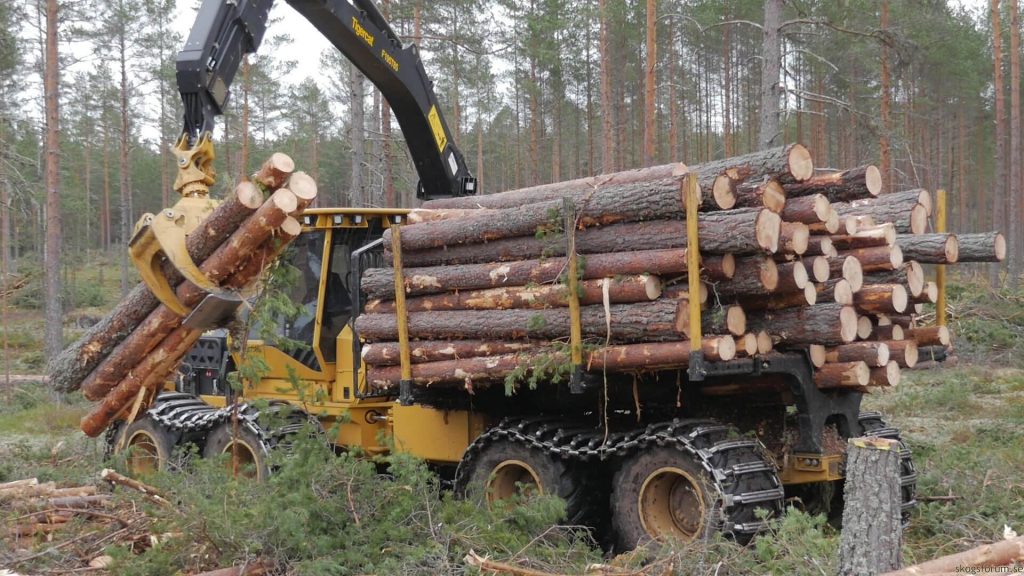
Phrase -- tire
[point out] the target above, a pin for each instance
(498, 469)
(252, 452)
(652, 478)
(147, 446)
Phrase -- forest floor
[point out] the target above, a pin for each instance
(964, 422)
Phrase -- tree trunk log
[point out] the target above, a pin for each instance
(621, 290)
(929, 294)
(829, 226)
(874, 354)
(887, 332)
(251, 234)
(807, 296)
(849, 268)
(929, 335)
(836, 290)
(872, 524)
(558, 190)
(754, 275)
(877, 259)
(902, 210)
(69, 368)
(885, 376)
(985, 247)
(852, 184)
(379, 282)
(867, 237)
(910, 275)
(904, 352)
(881, 299)
(760, 194)
(785, 164)
(820, 245)
(819, 269)
(813, 209)
(829, 324)
(842, 375)
(929, 248)
(792, 276)
(275, 171)
(1002, 553)
(794, 238)
(388, 353)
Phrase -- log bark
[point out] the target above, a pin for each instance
(929, 335)
(877, 259)
(808, 296)
(261, 258)
(557, 190)
(903, 352)
(819, 268)
(866, 237)
(929, 294)
(379, 282)
(872, 523)
(1002, 553)
(885, 376)
(621, 290)
(829, 324)
(906, 214)
(754, 275)
(929, 248)
(229, 256)
(422, 215)
(910, 274)
(820, 245)
(881, 299)
(852, 184)
(729, 232)
(874, 354)
(275, 171)
(887, 332)
(388, 353)
(842, 375)
(760, 194)
(984, 247)
(72, 365)
(836, 290)
(793, 276)
(790, 163)
(829, 226)
(794, 238)
(849, 268)
(813, 209)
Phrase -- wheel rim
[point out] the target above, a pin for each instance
(143, 453)
(245, 455)
(510, 478)
(671, 504)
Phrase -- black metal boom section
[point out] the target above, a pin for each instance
(225, 30)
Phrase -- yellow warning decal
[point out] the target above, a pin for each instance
(435, 125)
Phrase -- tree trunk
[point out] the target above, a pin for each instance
(275, 171)
(607, 113)
(867, 237)
(53, 333)
(123, 165)
(903, 352)
(794, 238)
(828, 324)
(1016, 185)
(357, 136)
(879, 258)
(872, 524)
(885, 376)
(79, 359)
(929, 248)
(982, 247)
(873, 354)
(836, 290)
(845, 186)
(771, 65)
(842, 375)
(754, 275)
(621, 290)
(909, 217)
(768, 194)
(910, 275)
(929, 335)
(388, 353)
(885, 105)
(849, 268)
(999, 189)
(881, 299)
(810, 209)
(789, 163)
(651, 85)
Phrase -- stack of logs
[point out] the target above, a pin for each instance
(791, 258)
(140, 343)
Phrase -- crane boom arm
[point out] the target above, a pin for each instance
(224, 31)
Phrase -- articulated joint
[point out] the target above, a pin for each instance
(195, 166)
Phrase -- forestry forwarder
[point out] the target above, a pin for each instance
(676, 470)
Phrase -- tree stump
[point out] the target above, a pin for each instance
(872, 527)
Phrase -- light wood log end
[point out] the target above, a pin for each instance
(864, 327)
(723, 192)
(842, 293)
(848, 324)
(820, 269)
(952, 249)
(853, 273)
(822, 207)
(811, 294)
(873, 180)
(1000, 247)
(768, 228)
(801, 166)
(764, 342)
(817, 354)
(736, 320)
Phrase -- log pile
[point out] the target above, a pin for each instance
(139, 344)
(793, 259)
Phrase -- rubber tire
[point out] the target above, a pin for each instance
(161, 440)
(556, 477)
(628, 481)
(220, 440)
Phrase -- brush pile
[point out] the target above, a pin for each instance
(791, 259)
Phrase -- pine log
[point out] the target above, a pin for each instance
(818, 355)
(866, 237)
(304, 187)
(828, 324)
(72, 365)
(874, 354)
(887, 332)
(760, 194)
(879, 258)
(908, 217)
(849, 268)
(903, 352)
(151, 493)
(794, 238)
(746, 345)
(903, 198)
(820, 245)
(681, 292)
(744, 231)
(929, 248)
(807, 296)
(813, 209)
(819, 268)
(929, 294)
(621, 290)
(717, 320)
(852, 184)
(836, 290)
(422, 215)
(659, 355)
(420, 351)
(784, 163)
(929, 335)
(906, 321)
(1002, 553)
(885, 376)
(910, 274)
(558, 190)
(829, 226)
(379, 282)
(792, 276)
(842, 375)
(984, 247)
(853, 224)
(262, 257)
(754, 275)
(881, 299)
(864, 327)
(228, 257)
(764, 342)
(275, 171)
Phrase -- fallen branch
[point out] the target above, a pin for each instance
(987, 555)
(151, 494)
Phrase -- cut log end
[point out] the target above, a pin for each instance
(1000, 247)
(864, 327)
(817, 353)
(918, 219)
(886, 376)
(794, 238)
(952, 249)
(820, 269)
(764, 342)
(822, 207)
(801, 166)
(853, 273)
(653, 286)
(736, 320)
(719, 348)
(773, 196)
(746, 345)
(722, 192)
(873, 180)
(768, 228)
(842, 293)
(848, 324)
(811, 294)
(303, 186)
(248, 195)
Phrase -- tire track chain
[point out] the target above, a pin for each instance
(872, 425)
(733, 464)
